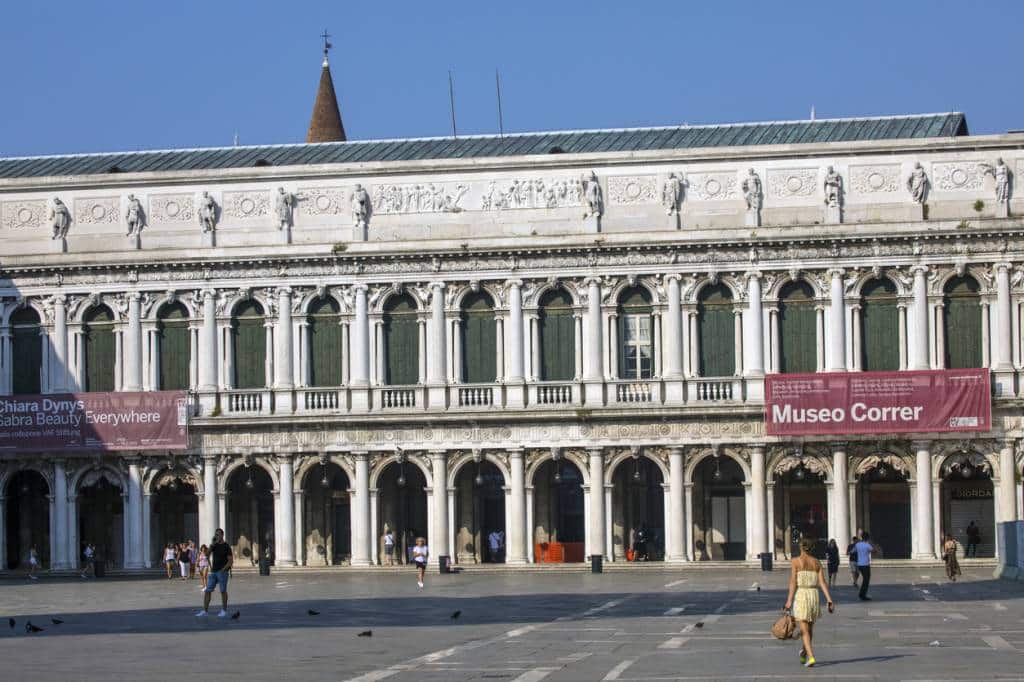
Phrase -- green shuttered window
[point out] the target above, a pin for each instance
(797, 329)
(401, 342)
(324, 343)
(879, 327)
(557, 334)
(716, 324)
(99, 352)
(250, 342)
(962, 323)
(175, 348)
(26, 351)
(479, 351)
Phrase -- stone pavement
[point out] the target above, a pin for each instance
(516, 627)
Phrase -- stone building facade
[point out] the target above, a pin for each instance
(561, 338)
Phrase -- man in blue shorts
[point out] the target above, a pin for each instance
(220, 567)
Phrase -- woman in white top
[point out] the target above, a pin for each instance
(169, 560)
(420, 556)
(33, 563)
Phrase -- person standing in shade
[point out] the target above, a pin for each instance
(184, 560)
(804, 580)
(851, 554)
(973, 540)
(832, 552)
(864, 551)
(389, 548)
(33, 563)
(949, 557)
(90, 556)
(420, 557)
(220, 568)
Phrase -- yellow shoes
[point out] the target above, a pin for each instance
(810, 662)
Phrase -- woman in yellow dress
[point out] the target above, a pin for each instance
(805, 578)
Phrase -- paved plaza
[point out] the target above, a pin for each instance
(625, 625)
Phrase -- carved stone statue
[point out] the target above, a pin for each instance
(207, 213)
(134, 216)
(1002, 177)
(360, 203)
(833, 188)
(592, 201)
(672, 194)
(60, 219)
(283, 204)
(752, 190)
(917, 184)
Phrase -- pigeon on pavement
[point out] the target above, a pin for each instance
(56, 621)
(32, 628)
(365, 633)
(699, 624)
(11, 622)
(236, 615)
(313, 613)
(456, 615)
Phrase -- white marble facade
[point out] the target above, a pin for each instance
(515, 228)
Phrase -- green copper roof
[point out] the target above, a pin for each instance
(478, 146)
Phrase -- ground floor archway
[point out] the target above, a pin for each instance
(401, 509)
(883, 509)
(638, 511)
(479, 513)
(250, 513)
(27, 517)
(326, 516)
(173, 516)
(801, 510)
(966, 496)
(101, 519)
(558, 532)
(719, 511)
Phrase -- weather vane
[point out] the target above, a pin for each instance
(327, 43)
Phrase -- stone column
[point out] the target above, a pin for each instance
(133, 344)
(1004, 326)
(758, 506)
(133, 514)
(840, 492)
(919, 356)
(924, 529)
(677, 512)
(59, 343)
(285, 555)
(1007, 510)
(437, 343)
(753, 338)
(284, 361)
(597, 510)
(300, 541)
(60, 508)
(361, 511)
(208, 353)
(360, 356)
(439, 492)
(514, 345)
(6, 370)
(837, 323)
(517, 532)
(209, 516)
(593, 371)
(147, 525)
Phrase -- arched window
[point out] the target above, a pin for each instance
(962, 323)
(479, 351)
(250, 345)
(798, 338)
(175, 348)
(557, 334)
(401, 341)
(99, 349)
(26, 351)
(636, 338)
(716, 325)
(324, 342)
(879, 327)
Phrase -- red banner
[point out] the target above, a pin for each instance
(878, 402)
(155, 420)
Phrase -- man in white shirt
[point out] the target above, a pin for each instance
(494, 540)
(865, 551)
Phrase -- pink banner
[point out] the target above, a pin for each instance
(878, 402)
(155, 420)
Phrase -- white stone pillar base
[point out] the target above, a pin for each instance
(437, 397)
(593, 393)
(284, 401)
(515, 396)
(674, 392)
(360, 399)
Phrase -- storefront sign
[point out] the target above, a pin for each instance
(971, 493)
(155, 420)
(845, 403)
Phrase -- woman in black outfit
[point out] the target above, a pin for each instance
(832, 554)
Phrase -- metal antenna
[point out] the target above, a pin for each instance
(501, 120)
(327, 44)
(451, 100)
(236, 139)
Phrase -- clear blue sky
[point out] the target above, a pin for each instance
(96, 76)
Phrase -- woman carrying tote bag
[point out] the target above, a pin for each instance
(805, 578)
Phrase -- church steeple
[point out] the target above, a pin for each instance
(325, 124)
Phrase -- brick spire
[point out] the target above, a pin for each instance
(325, 124)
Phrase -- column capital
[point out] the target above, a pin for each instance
(753, 274)
(596, 450)
(676, 450)
(210, 458)
(437, 285)
(437, 454)
(360, 288)
(1003, 267)
(919, 270)
(134, 296)
(283, 291)
(835, 272)
(284, 457)
(514, 283)
(515, 453)
(673, 277)
(839, 445)
(919, 445)
(209, 293)
(592, 280)
(754, 447)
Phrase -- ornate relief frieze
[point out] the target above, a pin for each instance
(532, 193)
(316, 201)
(875, 179)
(21, 214)
(172, 208)
(792, 183)
(958, 176)
(639, 189)
(98, 211)
(432, 197)
(246, 205)
(712, 186)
